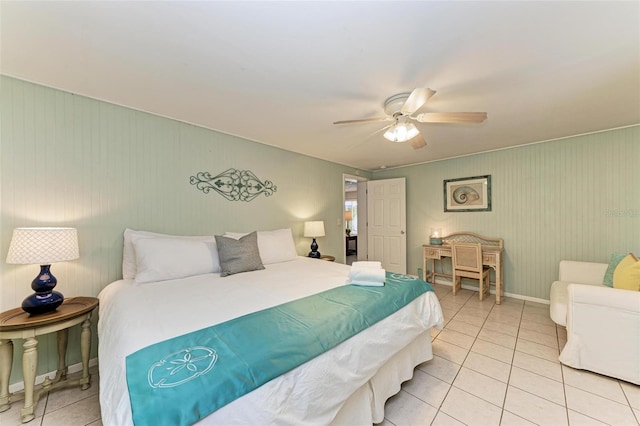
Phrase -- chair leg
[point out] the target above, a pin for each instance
(485, 287)
(455, 281)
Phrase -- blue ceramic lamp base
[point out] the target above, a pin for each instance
(314, 253)
(41, 303)
(45, 299)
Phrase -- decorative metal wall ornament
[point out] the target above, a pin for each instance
(233, 184)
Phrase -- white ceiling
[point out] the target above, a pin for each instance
(281, 73)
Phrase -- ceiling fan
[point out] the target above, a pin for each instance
(400, 109)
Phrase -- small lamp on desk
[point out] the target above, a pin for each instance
(313, 230)
(436, 236)
(43, 246)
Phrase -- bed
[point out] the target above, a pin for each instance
(347, 384)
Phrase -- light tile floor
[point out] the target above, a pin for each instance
(492, 365)
(62, 407)
(498, 365)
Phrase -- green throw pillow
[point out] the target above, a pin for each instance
(613, 263)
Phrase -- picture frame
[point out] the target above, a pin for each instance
(469, 194)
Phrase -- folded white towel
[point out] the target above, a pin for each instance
(367, 276)
(366, 264)
(367, 283)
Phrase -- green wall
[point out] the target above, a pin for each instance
(576, 198)
(67, 160)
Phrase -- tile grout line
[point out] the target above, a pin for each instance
(532, 372)
(454, 378)
(506, 392)
(511, 364)
(433, 338)
(523, 310)
(627, 404)
(44, 411)
(439, 408)
(566, 405)
(465, 358)
(626, 397)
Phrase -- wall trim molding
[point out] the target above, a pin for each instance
(508, 147)
(492, 291)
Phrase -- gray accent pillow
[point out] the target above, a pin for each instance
(240, 255)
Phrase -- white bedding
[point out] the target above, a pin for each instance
(133, 316)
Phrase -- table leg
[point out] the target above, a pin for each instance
(63, 339)
(85, 349)
(6, 360)
(433, 272)
(29, 366)
(499, 283)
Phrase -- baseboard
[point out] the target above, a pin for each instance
(16, 387)
(506, 294)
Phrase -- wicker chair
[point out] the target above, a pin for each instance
(467, 263)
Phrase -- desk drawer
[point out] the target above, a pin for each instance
(489, 259)
(432, 253)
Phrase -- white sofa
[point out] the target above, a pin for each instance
(603, 323)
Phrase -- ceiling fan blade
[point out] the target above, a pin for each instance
(364, 120)
(369, 136)
(452, 117)
(381, 130)
(416, 99)
(418, 142)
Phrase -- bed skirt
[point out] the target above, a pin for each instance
(366, 405)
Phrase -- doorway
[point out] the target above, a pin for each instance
(355, 218)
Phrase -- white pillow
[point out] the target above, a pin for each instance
(129, 253)
(274, 246)
(159, 259)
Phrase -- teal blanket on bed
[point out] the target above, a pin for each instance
(181, 380)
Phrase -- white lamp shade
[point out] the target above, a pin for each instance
(43, 246)
(348, 215)
(314, 229)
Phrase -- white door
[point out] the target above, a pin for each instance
(387, 238)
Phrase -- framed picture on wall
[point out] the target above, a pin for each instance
(470, 194)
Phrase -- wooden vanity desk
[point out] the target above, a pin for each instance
(491, 256)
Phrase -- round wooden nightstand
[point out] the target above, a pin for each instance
(328, 258)
(18, 324)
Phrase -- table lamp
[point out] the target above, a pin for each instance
(436, 236)
(314, 229)
(43, 246)
(348, 216)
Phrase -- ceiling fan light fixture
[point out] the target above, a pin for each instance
(403, 108)
(402, 131)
